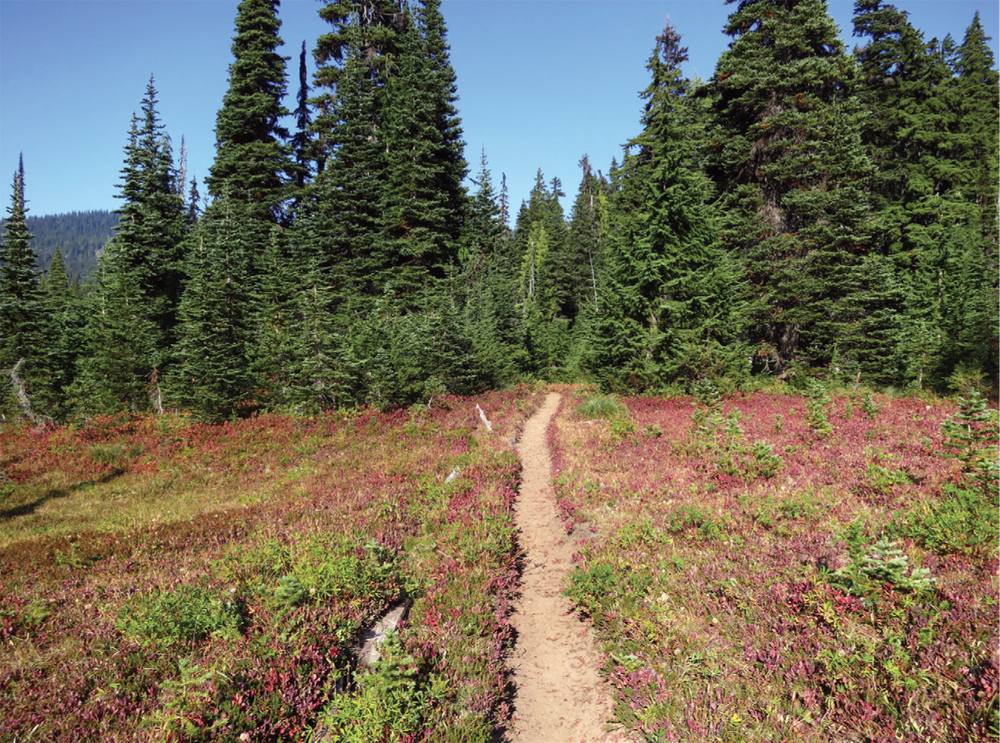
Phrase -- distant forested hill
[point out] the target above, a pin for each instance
(78, 234)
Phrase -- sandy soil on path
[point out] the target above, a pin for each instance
(559, 696)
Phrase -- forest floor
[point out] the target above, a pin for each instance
(559, 697)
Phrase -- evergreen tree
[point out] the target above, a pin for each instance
(788, 161)
(931, 135)
(252, 162)
(211, 374)
(490, 270)
(57, 284)
(541, 240)
(65, 322)
(424, 198)
(973, 94)
(250, 179)
(585, 236)
(383, 219)
(22, 316)
(132, 322)
(585, 248)
(663, 289)
(303, 145)
(344, 210)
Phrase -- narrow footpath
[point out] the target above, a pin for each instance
(559, 696)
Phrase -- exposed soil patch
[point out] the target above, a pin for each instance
(559, 696)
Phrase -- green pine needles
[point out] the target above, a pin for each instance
(803, 211)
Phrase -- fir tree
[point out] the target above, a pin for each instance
(490, 271)
(662, 285)
(250, 178)
(788, 160)
(211, 374)
(973, 93)
(303, 145)
(931, 135)
(65, 322)
(383, 219)
(22, 314)
(57, 284)
(132, 322)
(252, 162)
(424, 198)
(585, 231)
(541, 240)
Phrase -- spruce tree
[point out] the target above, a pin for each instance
(788, 160)
(585, 229)
(22, 311)
(541, 240)
(383, 219)
(65, 322)
(250, 179)
(253, 164)
(490, 272)
(132, 322)
(303, 145)
(211, 374)
(931, 133)
(662, 289)
(424, 198)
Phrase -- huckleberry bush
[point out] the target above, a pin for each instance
(800, 605)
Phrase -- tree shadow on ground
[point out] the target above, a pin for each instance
(26, 509)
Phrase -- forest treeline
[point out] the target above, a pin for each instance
(78, 237)
(807, 211)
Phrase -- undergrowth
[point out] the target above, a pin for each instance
(168, 580)
(782, 567)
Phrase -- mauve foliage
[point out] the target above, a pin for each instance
(234, 619)
(730, 575)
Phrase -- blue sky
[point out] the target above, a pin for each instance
(541, 82)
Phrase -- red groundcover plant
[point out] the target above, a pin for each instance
(778, 567)
(167, 580)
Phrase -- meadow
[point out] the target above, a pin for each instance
(788, 567)
(774, 566)
(162, 579)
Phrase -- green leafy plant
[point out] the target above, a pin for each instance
(960, 520)
(884, 562)
(621, 429)
(883, 480)
(188, 613)
(290, 591)
(765, 462)
(114, 456)
(390, 701)
(601, 406)
(972, 434)
(653, 431)
(868, 406)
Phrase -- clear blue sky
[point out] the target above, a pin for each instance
(541, 82)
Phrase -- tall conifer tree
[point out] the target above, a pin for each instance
(789, 163)
(490, 271)
(250, 178)
(212, 374)
(22, 313)
(253, 163)
(663, 285)
(931, 132)
(132, 323)
(541, 240)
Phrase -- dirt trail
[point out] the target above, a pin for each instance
(559, 696)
